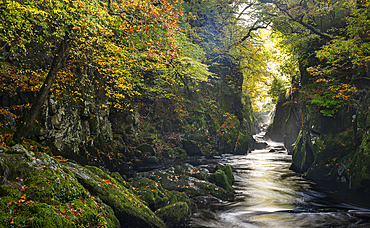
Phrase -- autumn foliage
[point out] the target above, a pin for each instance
(110, 45)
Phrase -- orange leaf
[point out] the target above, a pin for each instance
(22, 199)
(107, 181)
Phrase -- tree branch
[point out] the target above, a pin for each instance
(253, 28)
(247, 7)
(308, 26)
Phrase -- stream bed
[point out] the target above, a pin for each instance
(271, 195)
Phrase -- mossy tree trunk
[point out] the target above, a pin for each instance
(25, 126)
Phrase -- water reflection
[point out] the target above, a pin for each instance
(271, 195)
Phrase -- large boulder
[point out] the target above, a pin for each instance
(39, 191)
(223, 177)
(191, 147)
(128, 208)
(174, 213)
(184, 179)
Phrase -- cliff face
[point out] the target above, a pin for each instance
(287, 121)
(200, 119)
(336, 148)
(326, 148)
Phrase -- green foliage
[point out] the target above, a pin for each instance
(278, 87)
(192, 68)
(327, 96)
(355, 46)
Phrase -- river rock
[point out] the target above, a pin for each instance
(41, 192)
(173, 214)
(128, 208)
(191, 148)
(181, 178)
(261, 145)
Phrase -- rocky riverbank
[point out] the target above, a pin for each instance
(38, 190)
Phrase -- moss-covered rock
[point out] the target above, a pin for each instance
(219, 178)
(147, 149)
(174, 213)
(359, 167)
(128, 208)
(227, 170)
(302, 154)
(40, 192)
(189, 170)
(223, 177)
(152, 193)
(242, 144)
(191, 147)
(180, 179)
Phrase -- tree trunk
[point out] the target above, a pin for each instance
(25, 126)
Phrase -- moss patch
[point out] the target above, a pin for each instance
(174, 213)
(180, 179)
(128, 208)
(39, 191)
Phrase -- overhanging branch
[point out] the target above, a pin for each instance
(308, 26)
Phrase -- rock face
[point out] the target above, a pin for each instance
(286, 123)
(303, 156)
(92, 133)
(338, 153)
(67, 126)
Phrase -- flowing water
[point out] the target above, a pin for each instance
(271, 195)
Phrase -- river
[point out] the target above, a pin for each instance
(271, 195)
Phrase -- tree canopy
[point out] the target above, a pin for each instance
(129, 50)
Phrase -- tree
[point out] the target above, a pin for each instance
(114, 39)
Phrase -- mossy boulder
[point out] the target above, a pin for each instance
(223, 177)
(128, 208)
(180, 179)
(147, 149)
(169, 205)
(40, 192)
(191, 147)
(174, 213)
(226, 168)
(152, 193)
(189, 170)
(219, 178)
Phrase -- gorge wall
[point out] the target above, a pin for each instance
(326, 147)
(208, 122)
